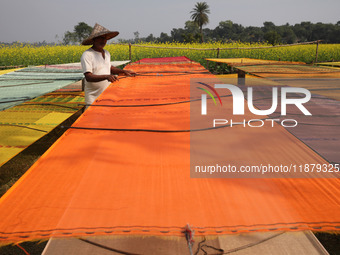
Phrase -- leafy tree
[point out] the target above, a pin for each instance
(268, 26)
(307, 26)
(191, 32)
(164, 38)
(191, 27)
(272, 37)
(224, 30)
(300, 32)
(286, 32)
(335, 37)
(200, 15)
(150, 38)
(69, 38)
(80, 32)
(136, 35)
(229, 30)
(177, 34)
(253, 34)
(288, 35)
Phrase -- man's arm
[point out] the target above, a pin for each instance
(115, 70)
(90, 77)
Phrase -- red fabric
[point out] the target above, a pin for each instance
(164, 60)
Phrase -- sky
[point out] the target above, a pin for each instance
(47, 20)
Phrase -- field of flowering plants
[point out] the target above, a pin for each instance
(26, 55)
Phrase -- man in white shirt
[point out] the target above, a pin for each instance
(96, 64)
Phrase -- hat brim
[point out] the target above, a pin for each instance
(109, 35)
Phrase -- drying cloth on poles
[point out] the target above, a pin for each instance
(8, 71)
(124, 169)
(335, 64)
(77, 65)
(290, 70)
(22, 125)
(28, 83)
(249, 61)
(319, 131)
(166, 60)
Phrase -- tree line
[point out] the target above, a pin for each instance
(228, 31)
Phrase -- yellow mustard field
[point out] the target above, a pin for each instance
(19, 54)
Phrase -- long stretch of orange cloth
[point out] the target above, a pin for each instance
(121, 174)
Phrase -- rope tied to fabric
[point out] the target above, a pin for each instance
(189, 233)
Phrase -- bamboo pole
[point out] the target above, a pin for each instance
(317, 52)
(234, 48)
(10, 67)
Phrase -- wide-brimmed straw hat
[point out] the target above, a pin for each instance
(97, 31)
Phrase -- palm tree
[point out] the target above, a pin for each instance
(200, 15)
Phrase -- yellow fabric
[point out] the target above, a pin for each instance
(22, 125)
(8, 70)
(337, 64)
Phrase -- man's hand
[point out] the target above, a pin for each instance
(112, 78)
(129, 73)
(115, 70)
